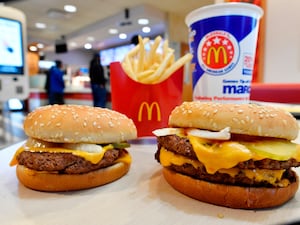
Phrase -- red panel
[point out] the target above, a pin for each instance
(275, 92)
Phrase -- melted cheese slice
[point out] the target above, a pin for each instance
(273, 177)
(91, 156)
(216, 155)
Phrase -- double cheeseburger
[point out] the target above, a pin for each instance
(238, 156)
(72, 147)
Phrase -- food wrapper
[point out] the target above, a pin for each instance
(148, 105)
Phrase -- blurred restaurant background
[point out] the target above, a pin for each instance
(73, 31)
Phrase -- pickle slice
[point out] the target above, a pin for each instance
(121, 145)
(277, 150)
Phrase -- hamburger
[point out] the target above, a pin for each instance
(72, 147)
(237, 156)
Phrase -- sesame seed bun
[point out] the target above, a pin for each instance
(188, 168)
(51, 127)
(51, 182)
(228, 195)
(78, 124)
(247, 119)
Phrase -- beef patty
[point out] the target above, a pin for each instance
(65, 163)
(182, 146)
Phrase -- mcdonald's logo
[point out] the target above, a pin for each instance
(149, 111)
(216, 53)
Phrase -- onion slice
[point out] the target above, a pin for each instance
(92, 148)
(218, 135)
(168, 131)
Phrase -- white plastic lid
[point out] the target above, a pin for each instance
(224, 9)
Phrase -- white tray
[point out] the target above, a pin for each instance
(141, 197)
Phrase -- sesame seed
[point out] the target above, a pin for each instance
(259, 129)
(111, 124)
(235, 119)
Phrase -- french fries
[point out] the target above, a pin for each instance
(152, 66)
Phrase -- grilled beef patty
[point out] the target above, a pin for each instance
(65, 163)
(182, 146)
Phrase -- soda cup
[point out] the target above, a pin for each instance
(223, 40)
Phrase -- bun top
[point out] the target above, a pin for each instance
(248, 119)
(78, 124)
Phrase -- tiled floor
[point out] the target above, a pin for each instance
(11, 127)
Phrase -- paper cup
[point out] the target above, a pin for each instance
(148, 105)
(223, 40)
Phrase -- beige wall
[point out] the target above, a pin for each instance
(282, 42)
(178, 31)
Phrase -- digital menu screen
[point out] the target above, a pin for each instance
(114, 54)
(11, 47)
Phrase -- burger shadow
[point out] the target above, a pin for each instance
(159, 188)
(32, 202)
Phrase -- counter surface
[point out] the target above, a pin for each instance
(140, 197)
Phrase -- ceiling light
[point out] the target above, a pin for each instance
(33, 48)
(146, 29)
(73, 44)
(40, 45)
(113, 31)
(70, 8)
(90, 38)
(143, 21)
(40, 25)
(88, 46)
(122, 36)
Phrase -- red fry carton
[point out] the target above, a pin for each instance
(148, 105)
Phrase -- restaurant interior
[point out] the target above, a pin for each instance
(75, 36)
(73, 32)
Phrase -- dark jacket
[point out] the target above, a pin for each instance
(96, 72)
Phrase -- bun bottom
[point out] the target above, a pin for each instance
(230, 196)
(52, 182)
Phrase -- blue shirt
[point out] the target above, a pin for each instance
(57, 84)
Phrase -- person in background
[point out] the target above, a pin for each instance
(56, 84)
(98, 81)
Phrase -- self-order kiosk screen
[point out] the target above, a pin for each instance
(11, 47)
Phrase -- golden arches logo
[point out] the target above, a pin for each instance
(149, 110)
(216, 52)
